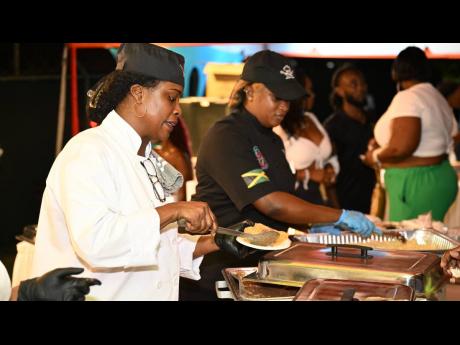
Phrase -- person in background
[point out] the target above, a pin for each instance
(413, 139)
(56, 285)
(451, 90)
(108, 203)
(350, 129)
(243, 173)
(309, 149)
(176, 151)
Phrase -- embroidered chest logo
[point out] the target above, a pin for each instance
(254, 177)
(287, 72)
(260, 158)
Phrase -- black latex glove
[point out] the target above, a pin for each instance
(56, 285)
(229, 244)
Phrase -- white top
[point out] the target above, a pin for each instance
(438, 121)
(5, 283)
(98, 212)
(301, 152)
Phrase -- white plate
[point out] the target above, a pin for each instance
(283, 245)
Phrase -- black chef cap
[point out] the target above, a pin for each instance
(151, 60)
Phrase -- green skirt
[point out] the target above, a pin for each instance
(413, 191)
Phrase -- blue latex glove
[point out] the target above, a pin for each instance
(330, 229)
(357, 222)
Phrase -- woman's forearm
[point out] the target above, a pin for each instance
(393, 154)
(287, 208)
(168, 214)
(404, 140)
(205, 245)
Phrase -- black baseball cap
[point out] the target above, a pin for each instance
(276, 72)
(151, 60)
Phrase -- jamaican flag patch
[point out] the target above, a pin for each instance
(254, 177)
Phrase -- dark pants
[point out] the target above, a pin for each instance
(211, 271)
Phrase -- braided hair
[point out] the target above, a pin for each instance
(108, 92)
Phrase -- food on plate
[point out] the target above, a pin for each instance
(259, 228)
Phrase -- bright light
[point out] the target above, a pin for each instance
(205, 103)
(359, 49)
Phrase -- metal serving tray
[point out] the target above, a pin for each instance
(426, 241)
(304, 261)
(352, 290)
(236, 288)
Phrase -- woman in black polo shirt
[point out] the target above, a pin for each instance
(243, 174)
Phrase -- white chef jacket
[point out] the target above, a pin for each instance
(5, 284)
(98, 212)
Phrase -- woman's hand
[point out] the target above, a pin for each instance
(195, 216)
(372, 145)
(198, 217)
(317, 175)
(368, 159)
(330, 176)
(451, 260)
(326, 176)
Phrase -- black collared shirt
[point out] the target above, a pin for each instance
(355, 180)
(239, 162)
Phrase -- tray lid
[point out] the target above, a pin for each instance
(338, 289)
(349, 258)
(254, 291)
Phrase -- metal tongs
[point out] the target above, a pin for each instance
(263, 239)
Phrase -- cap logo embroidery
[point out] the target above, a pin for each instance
(287, 72)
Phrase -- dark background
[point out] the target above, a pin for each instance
(29, 94)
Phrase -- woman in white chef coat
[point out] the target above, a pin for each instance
(5, 284)
(107, 206)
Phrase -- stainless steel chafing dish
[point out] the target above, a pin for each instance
(238, 289)
(304, 261)
(352, 290)
(428, 241)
